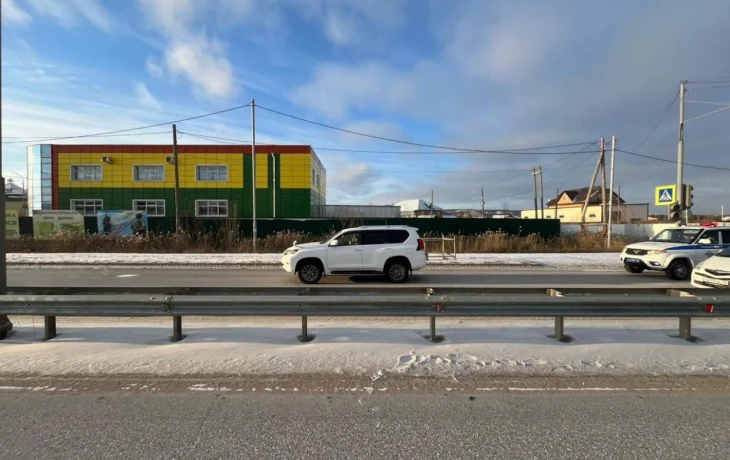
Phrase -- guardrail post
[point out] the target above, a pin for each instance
(559, 334)
(177, 334)
(50, 327)
(433, 337)
(685, 329)
(305, 337)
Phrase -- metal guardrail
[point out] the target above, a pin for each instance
(559, 304)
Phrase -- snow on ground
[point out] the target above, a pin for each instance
(374, 348)
(566, 259)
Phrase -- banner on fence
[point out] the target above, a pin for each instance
(46, 223)
(12, 225)
(122, 223)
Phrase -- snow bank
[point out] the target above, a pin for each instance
(372, 348)
(567, 259)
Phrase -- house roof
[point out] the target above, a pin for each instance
(578, 195)
(415, 205)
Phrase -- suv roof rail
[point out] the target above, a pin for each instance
(384, 226)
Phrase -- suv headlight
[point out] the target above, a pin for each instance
(291, 251)
(655, 252)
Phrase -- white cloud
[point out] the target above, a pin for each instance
(145, 97)
(190, 53)
(153, 67)
(11, 12)
(340, 29)
(198, 59)
(71, 12)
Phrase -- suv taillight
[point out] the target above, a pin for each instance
(421, 245)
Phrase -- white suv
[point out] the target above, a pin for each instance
(676, 251)
(393, 251)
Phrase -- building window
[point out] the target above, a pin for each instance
(87, 207)
(314, 175)
(318, 176)
(561, 217)
(591, 215)
(154, 208)
(149, 173)
(211, 208)
(211, 173)
(86, 173)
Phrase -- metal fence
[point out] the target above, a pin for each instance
(443, 242)
(431, 303)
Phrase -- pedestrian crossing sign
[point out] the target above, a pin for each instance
(665, 195)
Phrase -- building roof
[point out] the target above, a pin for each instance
(578, 195)
(13, 190)
(415, 205)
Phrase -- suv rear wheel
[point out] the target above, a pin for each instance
(397, 271)
(679, 270)
(309, 272)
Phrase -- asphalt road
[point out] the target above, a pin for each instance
(154, 277)
(195, 425)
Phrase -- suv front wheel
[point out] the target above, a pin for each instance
(309, 272)
(397, 271)
(679, 270)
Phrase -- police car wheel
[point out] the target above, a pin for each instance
(633, 268)
(679, 270)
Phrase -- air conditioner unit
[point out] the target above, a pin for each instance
(107, 160)
(170, 160)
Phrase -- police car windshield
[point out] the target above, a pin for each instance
(676, 235)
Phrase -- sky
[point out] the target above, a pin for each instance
(468, 74)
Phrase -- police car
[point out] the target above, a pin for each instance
(676, 251)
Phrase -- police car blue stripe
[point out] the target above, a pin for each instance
(699, 246)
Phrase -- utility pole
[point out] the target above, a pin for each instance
(431, 203)
(557, 198)
(610, 203)
(482, 202)
(178, 225)
(534, 188)
(542, 197)
(680, 146)
(593, 181)
(273, 194)
(253, 169)
(603, 185)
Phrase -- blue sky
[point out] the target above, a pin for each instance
(471, 74)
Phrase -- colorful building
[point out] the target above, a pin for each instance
(215, 180)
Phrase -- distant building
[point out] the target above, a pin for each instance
(15, 198)
(568, 207)
(416, 208)
(215, 180)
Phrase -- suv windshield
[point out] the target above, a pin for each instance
(676, 235)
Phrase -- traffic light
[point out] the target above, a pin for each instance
(687, 194)
(676, 212)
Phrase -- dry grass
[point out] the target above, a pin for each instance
(229, 241)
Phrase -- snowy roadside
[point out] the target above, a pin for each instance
(578, 260)
(375, 349)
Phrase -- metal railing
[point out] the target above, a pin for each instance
(443, 240)
(431, 303)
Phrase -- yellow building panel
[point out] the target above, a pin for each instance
(262, 171)
(120, 173)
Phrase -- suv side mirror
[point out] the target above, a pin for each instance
(334, 243)
(705, 241)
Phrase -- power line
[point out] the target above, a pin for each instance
(232, 141)
(137, 128)
(709, 87)
(719, 168)
(664, 115)
(417, 144)
(32, 139)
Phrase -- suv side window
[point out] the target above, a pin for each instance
(372, 237)
(725, 236)
(350, 239)
(398, 236)
(712, 235)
